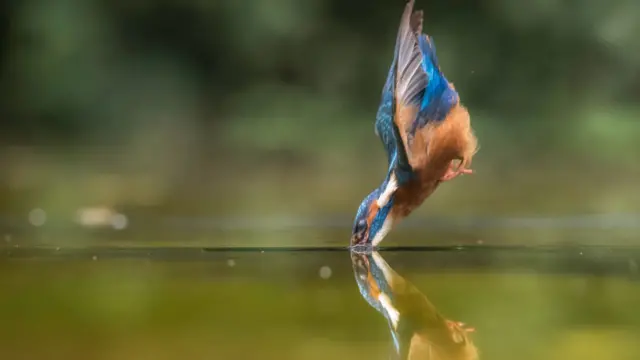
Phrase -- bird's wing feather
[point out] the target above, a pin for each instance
(388, 132)
(384, 118)
(411, 79)
(420, 86)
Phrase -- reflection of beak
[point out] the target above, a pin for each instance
(360, 263)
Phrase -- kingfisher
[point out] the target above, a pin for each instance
(425, 131)
(418, 330)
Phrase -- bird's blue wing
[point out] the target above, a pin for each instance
(422, 94)
(384, 117)
(388, 132)
(439, 95)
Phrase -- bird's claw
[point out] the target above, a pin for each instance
(452, 172)
(461, 325)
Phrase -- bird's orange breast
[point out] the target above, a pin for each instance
(413, 193)
(434, 148)
(410, 195)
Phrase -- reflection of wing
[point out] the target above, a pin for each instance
(416, 326)
(422, 93)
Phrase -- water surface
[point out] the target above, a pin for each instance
(177, 303)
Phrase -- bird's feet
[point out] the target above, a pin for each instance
(453, 172)
(460, 325)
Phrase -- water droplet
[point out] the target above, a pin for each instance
(119, 221)
(325, 272)
(7, 238)
(231, 263)
(94, 258)
(37, 217)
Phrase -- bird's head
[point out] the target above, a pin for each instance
(373, 220)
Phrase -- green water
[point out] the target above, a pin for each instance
(165, 303)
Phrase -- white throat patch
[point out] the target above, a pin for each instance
(392, 312)
(384, 230)
(392, 186)
(387, 272)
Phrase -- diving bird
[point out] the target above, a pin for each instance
(418, 330)
(424, 129)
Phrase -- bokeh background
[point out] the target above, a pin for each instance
(260, 113)
(250, 123)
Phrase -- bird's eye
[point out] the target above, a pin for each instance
(361, 226)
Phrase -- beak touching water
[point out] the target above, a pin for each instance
(360, 235)
(371, 225)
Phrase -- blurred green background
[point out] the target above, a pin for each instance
(237, 122)
(154, 109)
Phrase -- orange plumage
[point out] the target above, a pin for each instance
(419, 331)
(424, 127)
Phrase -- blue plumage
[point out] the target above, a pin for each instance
(415, 94)
(363, 209)
(437, 83)
(388, 132)
(436, 99)
(439, 97)
(384, 117)
(371, 280)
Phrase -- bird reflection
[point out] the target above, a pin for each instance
(417, 329)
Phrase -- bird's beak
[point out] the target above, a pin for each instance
(356, 238)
